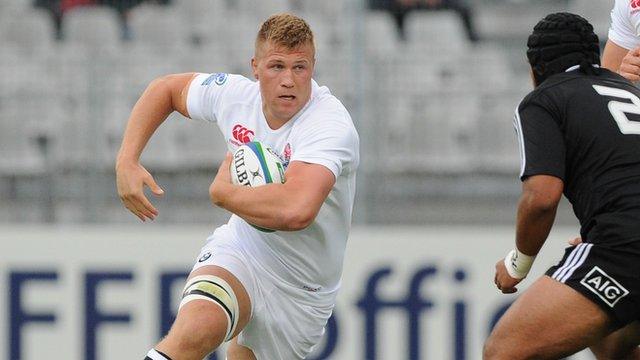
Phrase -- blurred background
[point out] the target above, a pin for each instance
(431, 85)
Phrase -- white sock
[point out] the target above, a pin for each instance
(154, 354)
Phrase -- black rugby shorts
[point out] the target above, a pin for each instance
(608, 277)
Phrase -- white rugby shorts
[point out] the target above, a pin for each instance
(286, 322)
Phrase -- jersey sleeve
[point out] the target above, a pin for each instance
(206, 94)
(542, 148)
(333, 143)
(625, 24)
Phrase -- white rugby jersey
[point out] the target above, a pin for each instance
(321, 133)
(625, 24)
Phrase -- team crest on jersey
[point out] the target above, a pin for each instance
(241, 135)
(286, 155)
(603, 285)
(217, 78)
(635, 5)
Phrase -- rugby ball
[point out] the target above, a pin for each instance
(255, 164)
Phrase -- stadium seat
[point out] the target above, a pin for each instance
(95, 28)
(199, 144)
(380, 33)
(30, 30)
(260, 10)
(425, 132)
(242, 30)
(21, 108)
(597, 12)
(202, 20)
(158, 27)
(497, 142)
(435, 32)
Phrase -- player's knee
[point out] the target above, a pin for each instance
(238, 352)
(200, 329)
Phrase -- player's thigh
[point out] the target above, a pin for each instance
(214, 301)
(192, 311)
(550, 320)
(236, 351)
(621, 344)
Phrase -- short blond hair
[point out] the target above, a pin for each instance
(285, 30)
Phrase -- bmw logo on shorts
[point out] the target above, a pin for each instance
(205, 256)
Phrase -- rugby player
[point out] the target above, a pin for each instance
(270, 292)
(578, 135)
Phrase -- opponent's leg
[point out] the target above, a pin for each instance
(621, 344)
(215, 308)
(549, 321)
(236, 351)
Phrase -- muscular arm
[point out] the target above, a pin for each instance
(290, 206)
(624, 62)
(537, 211)
(161, 98)
(612, 56)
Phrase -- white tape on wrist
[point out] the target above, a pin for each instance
(518, 264)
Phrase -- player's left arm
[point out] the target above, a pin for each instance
(289, 207)
(536, 213)
(542, 170)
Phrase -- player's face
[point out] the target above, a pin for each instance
(285, 79)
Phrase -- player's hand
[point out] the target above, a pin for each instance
(630, 66)
(130, 180)
(575, 241)
(503, 280)
(222, 180)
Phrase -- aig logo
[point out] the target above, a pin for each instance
(601, 284)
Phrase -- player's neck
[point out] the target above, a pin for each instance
(273, 121)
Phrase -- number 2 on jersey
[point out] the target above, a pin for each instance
(619, 109)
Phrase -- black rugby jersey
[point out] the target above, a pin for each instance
(585, 130)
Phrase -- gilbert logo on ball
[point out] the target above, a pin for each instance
(254, 164)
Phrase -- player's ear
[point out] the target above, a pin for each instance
(254, 67)
(533, 78)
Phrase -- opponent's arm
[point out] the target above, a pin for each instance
(536, 213)
(290, 206)
(623, 61)
(163, 96)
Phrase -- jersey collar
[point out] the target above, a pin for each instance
(575, 67)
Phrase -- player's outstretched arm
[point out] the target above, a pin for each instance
(290, 206)
(623, 61)
(536, 213)
(163, 96)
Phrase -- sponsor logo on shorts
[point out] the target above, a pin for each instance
(241, 135)
(205, 256)
(217, 78)
(603, 285)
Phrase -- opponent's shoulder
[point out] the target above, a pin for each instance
(563, 87)
(539, 96)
